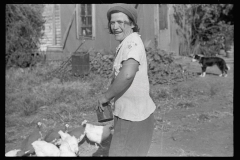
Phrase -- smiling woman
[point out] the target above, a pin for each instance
(131, 17)
(133, 106)
(119, 27)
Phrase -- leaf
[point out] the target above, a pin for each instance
(156, 57)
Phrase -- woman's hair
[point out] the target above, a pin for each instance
(135, 29)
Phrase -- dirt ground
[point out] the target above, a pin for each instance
(202, 127)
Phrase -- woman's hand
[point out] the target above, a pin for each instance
(102, 102)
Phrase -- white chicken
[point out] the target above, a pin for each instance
(97, 134)
(45, 149)
(65, 150)
(68, 140)
(12, 153)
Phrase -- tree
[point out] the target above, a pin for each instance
(24, 25)
(205, 25)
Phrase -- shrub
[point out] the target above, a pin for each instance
(101, 64)
(24, 25)
(162, 68)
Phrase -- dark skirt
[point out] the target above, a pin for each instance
(131, 138)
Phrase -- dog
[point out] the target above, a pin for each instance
(210, 61)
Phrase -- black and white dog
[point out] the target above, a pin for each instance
(210, 61)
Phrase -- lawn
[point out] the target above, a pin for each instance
(193, 118)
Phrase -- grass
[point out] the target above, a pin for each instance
(213, 115)
(185, 105)
(30, 98)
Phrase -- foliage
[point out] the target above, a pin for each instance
(24, 25)
(101, 63)
(162, 68)
(206, 24)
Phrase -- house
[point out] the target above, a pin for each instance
(67, 25)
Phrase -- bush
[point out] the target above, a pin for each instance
(24, 25)
(162, 68)
(101, 63)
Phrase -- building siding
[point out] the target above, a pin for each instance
(148, 22)
(51, 29)
(57, 25)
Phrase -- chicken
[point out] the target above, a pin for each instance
(12, 153)
(26, 146)
(53, 136)
(70, 140)
(78, 133)
(45, 149)
(65, 150)
(97, 134)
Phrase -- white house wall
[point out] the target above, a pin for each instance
(52, 32)
(164, 35)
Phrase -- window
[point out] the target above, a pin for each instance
(85, 20)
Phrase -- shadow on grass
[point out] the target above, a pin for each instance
(213, 74)
(104, 150)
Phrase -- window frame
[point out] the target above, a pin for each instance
(79, 24)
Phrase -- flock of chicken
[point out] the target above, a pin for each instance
(59, 141)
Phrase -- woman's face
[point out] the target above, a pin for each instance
(120, 26)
